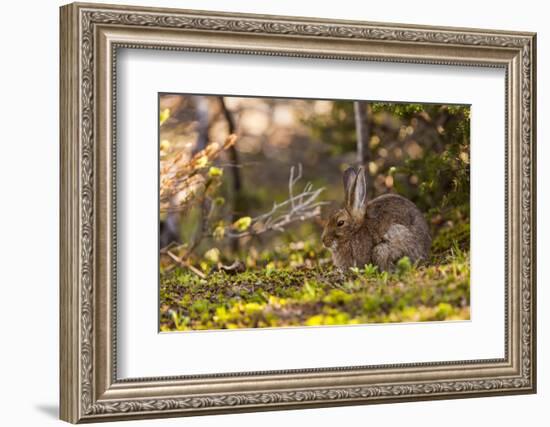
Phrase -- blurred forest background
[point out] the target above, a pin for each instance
(246, 184)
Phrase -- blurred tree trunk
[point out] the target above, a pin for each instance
(362, 129)
(235, 172)
(360, 109)
(169, 230)
(202, 119)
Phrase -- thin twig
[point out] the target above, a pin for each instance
(298, 207)
(186, 265)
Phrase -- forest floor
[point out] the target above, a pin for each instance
(317, 296)
(294, 284)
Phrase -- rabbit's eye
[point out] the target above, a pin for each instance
(340, 223)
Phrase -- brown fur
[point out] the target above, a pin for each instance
(378, 232)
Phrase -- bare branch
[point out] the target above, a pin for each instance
(184, 264)
(298, 207)
(292, 180)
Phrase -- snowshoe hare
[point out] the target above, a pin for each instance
(379, 232)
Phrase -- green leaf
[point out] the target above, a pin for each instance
(242, 224)
(404, 265)
(212, 255)
(214, 172)
(164, 115)
(219, 232)
(201, 162)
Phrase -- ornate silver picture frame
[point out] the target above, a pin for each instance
(91, 34)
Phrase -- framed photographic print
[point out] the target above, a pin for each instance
(264, 212)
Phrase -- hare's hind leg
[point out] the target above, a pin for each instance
(398, 242)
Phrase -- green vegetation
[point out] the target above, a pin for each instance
(316, 296)
(246, 189)
(420, 150)
(294, 284)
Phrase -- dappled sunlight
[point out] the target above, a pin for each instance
(247, 186)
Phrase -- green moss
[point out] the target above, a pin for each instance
(317, 296)
(449, 239)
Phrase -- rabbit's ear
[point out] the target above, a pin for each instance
(358, 206)
(349, 183)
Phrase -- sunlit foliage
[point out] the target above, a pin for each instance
(319, 296)
(247, 254)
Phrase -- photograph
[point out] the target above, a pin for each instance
(280, 212)
(267, 212)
